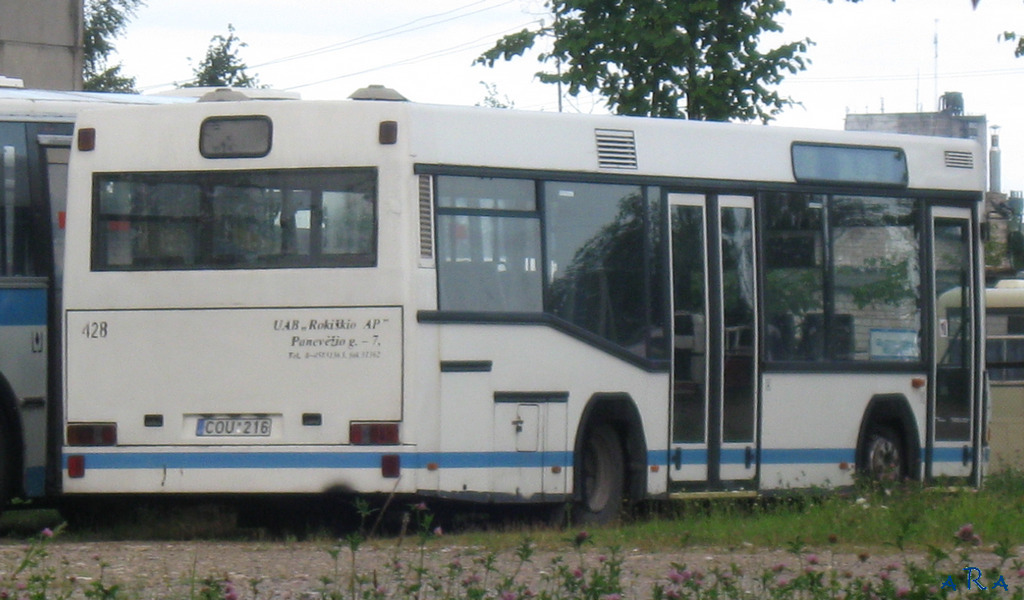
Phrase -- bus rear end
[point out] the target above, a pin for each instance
(233, 316)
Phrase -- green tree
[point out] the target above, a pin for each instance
(222, 66)
(105, 20)
(494, 99)
(699, 59)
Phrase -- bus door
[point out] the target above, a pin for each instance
(714, 368)
(25, 276)
(953, 450)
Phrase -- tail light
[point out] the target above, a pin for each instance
(373, 434)
(92, 434)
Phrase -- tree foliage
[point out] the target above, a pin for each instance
(1011, 36)
(105, 20)
(222, 66)
(700, 59)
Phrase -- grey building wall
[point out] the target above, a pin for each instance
(41, 42)
(940, 124)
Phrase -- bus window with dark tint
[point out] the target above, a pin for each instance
(794, 293)
(1004, 344)
(689, 300)
(235, 219)
(595, 252)
(488, 245)
(953, 324)
(21, 241)
(842, 278)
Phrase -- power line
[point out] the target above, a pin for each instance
(906, 77)
(419, 58)
(369, 37)
(387, 33)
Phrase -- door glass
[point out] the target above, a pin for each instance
(738, 312)
(953, 328)
(689, 364)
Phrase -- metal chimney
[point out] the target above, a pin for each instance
(995, 168)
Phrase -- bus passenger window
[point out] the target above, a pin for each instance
(488, 241)
(20, 243)
(226, 219)
(842, 278)
(595, 247)
(794, 277)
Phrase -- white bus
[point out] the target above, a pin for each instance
(1004, 340)
(504, 306)
(35, 137)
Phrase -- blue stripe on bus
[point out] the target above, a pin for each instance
(22, 306)
(452, 460)
(947, 454)
(319, 460)
(35, 482)
(738, 456)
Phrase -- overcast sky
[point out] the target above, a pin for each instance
(872, 56)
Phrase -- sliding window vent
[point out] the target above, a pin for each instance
(959, 159)
(616, 149)
(426, 222)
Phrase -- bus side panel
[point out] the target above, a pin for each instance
(524, 404)
(800, 451)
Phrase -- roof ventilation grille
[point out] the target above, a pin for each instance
(959, 159)
(616, 149)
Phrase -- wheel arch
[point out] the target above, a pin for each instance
(892, 410)
(620, 412)
(12, 440)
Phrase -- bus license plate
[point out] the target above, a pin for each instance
(234, 427)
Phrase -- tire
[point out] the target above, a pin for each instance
(7, 463)
(885, 457)
(602, 476)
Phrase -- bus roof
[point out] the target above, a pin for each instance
(19, 103)
(490, 138)
(1008, 293)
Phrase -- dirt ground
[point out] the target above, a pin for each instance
(307, 570)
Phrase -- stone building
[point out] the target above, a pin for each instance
(41, 43)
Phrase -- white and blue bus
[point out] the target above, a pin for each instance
(503, 306)
(1004, 343)
(35, 137)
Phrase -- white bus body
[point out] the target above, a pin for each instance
(35, 137)
(1004, 340)
(477, 303)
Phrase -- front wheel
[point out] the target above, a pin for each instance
(602, 477)
(885, 458)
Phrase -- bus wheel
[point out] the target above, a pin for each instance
(884, 456)
(602, 477)
(7, 466)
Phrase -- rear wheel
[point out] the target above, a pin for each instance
(7, 460)
(602, 476)
(885, 458)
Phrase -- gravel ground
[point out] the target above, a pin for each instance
(297, 570)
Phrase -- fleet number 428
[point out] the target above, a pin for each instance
(95, 330)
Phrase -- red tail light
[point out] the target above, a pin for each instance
(92, 434)
(373, 434)
(76, 466)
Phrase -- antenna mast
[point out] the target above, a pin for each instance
(935, 91)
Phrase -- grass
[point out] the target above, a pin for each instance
(936, 536)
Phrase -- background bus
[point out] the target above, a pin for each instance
(1004, 323)
(35, 137)
(493, 305)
